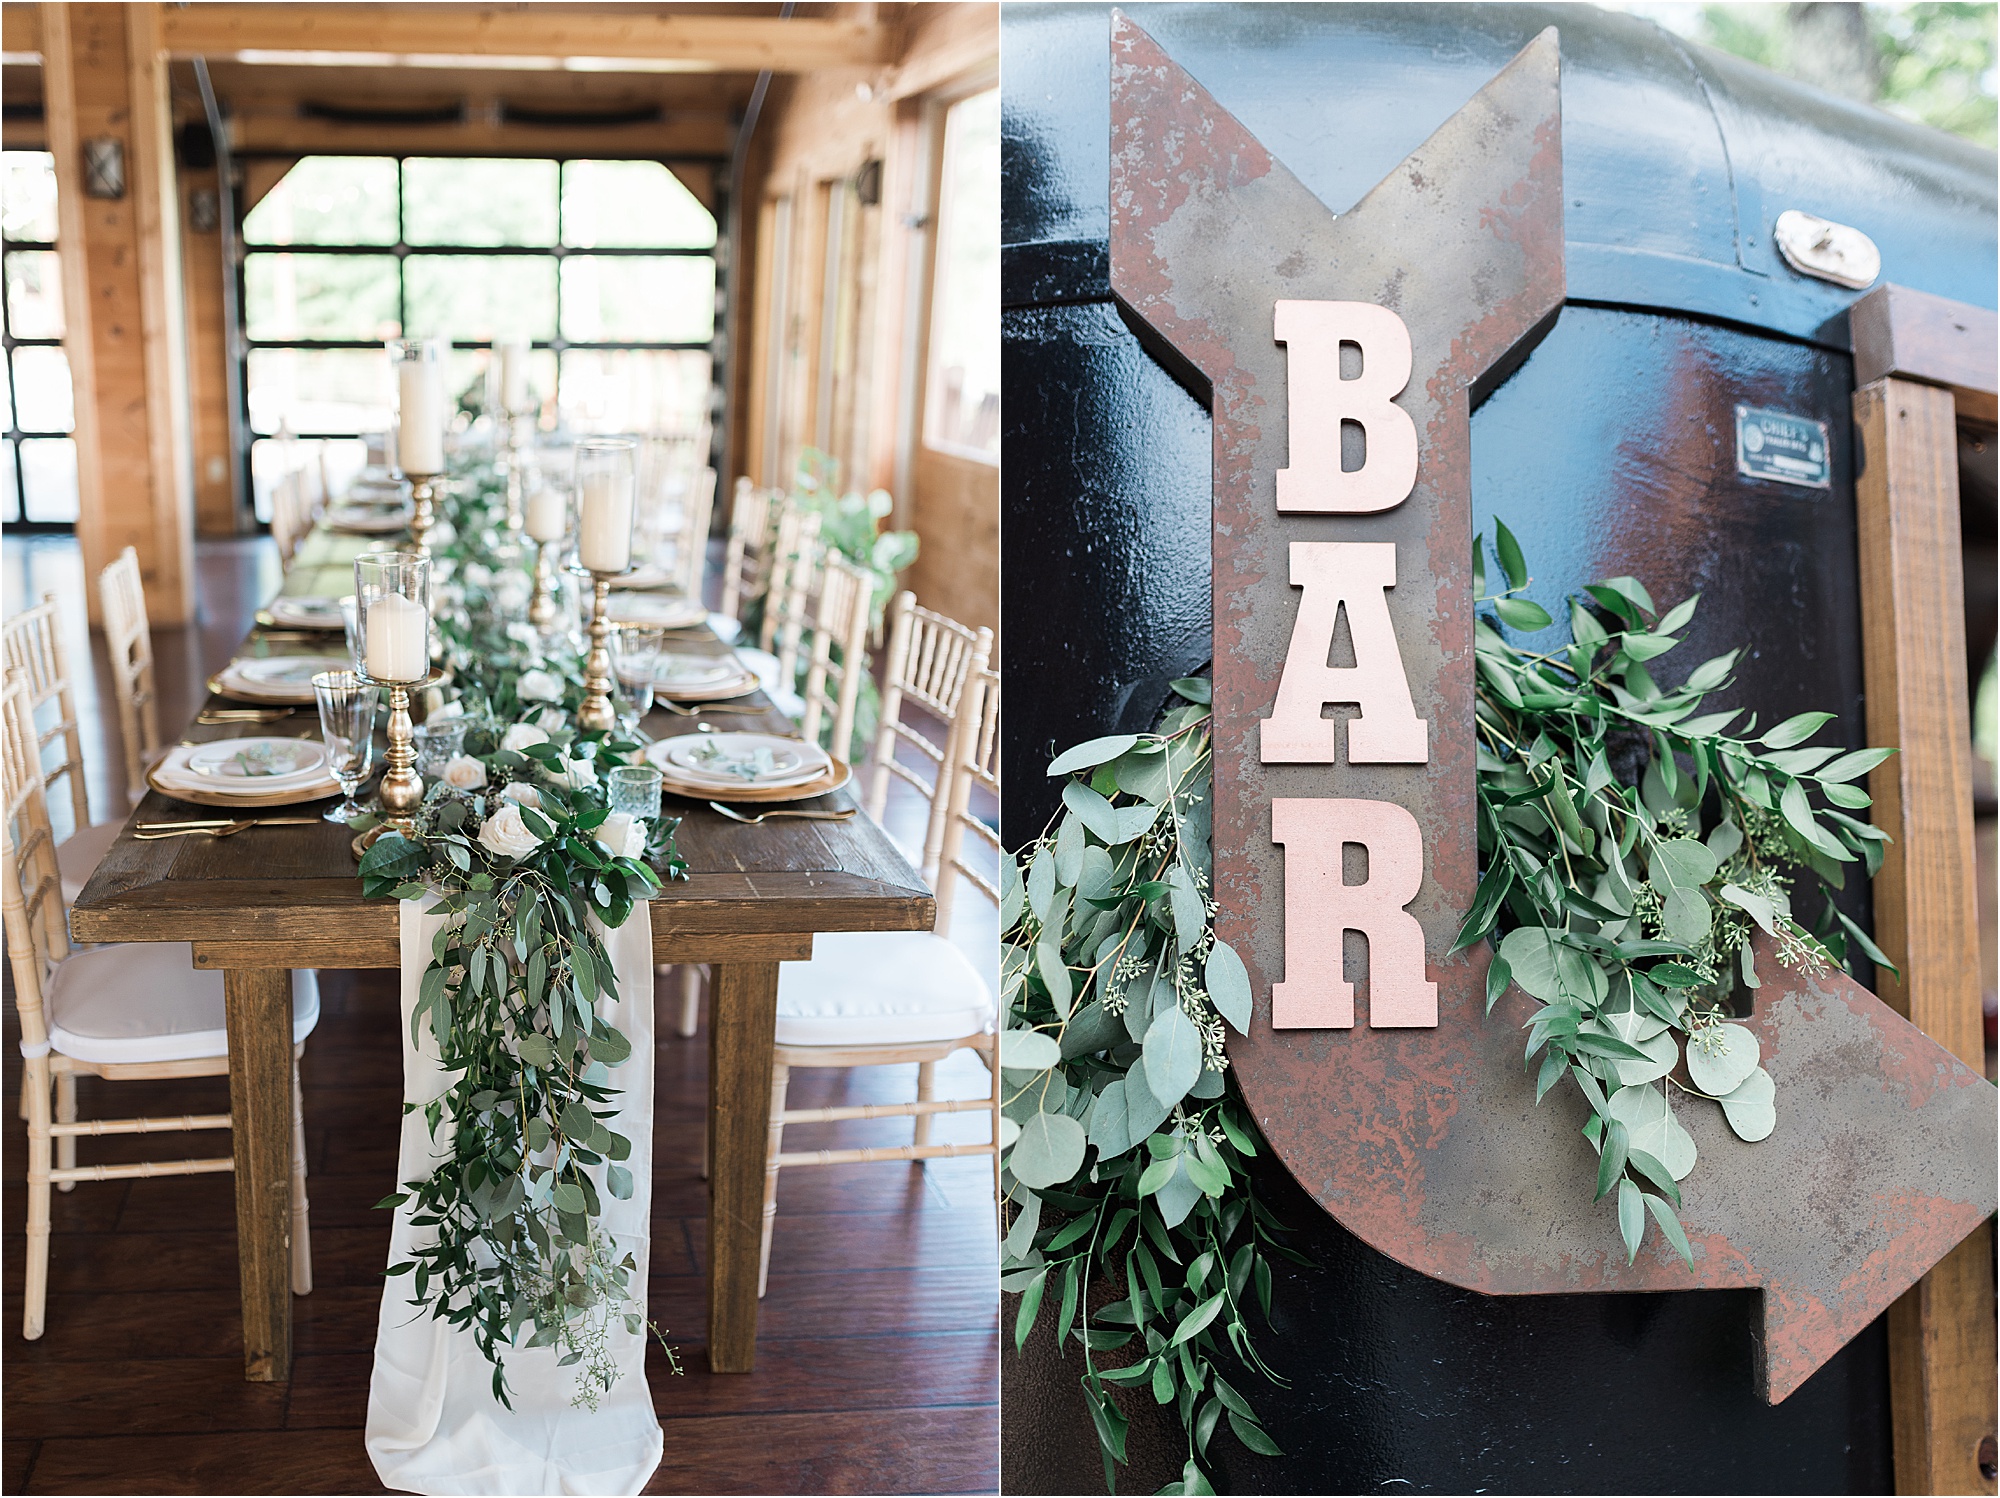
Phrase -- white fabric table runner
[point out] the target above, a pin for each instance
(433, 1424)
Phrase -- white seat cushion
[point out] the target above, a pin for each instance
(726, 629)
(881, 988)
(767, 667)
(138, 1002)
(77, 856)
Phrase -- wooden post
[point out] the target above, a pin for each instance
(742, 1029)
(105, 78)
(1941, 1333)
(259, 1008)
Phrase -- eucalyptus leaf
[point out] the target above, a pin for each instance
(1719, 1057)
(1651, 1126)
(1228, 983)
(1172, 1054)
(1049, 1151)
(1091, 753)
(1752, 1108)
(1028, 1050)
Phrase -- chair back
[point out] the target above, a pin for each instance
(698, 511)
(929, 660)
(291, 512)
(746, 560)
(34, 649)
(839, 652)
(30, 882)
(791, 583)
(128, 639)
(975, 776)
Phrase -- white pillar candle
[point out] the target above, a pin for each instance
(398, 644)
(420, 423)
(604, 523)
(513, 375)
(545, 520)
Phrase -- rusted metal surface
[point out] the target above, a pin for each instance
(1428, 1143)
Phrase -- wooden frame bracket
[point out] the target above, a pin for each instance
(1921, 365)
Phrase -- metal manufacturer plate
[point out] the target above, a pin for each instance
(1781, 449)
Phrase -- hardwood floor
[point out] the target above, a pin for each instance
(878, 1354)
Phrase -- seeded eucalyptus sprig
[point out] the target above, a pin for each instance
(1127, 1169)
(1631, 847)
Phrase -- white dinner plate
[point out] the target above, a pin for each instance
(666, 610)
(680, 672)
(287, 670)
(751, 759)
(366, 520)
(258, 764)
(306, 613)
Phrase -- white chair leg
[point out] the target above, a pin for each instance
(780, 1081)
(690, 1017)
(35, 1300)
(991, 1055)
(66, 1113)
(302, 1261)
(926, 1092)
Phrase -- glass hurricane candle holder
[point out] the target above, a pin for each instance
(421, 416)
(545, 518)
(393, 622)
(606, 477)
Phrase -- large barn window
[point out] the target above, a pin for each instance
(38, 488)
(607, 267)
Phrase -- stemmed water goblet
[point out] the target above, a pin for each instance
(347, 725)
(636, 650)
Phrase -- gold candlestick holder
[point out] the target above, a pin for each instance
(543, 609)
(516, 488)
(423, 511)
(401, 791)
(596, 711)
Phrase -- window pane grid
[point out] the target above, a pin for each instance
(631, 259)
(38, 488)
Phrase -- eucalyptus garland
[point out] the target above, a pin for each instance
(1632, 845)
(519, 852)
(1117, 994)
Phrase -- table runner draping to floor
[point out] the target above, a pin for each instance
(433, 1424)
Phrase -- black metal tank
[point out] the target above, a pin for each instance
(1611, 449)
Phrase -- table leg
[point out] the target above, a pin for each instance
(742, 1025)
(259, 1004)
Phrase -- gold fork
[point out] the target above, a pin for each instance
(805, 816)
(153, 832)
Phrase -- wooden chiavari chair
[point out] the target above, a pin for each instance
(839, 658)
(291, 512)
(35, 653)
(126, 1012)
(128, 639)
(880, 998)
(929, 659)
(747, 557)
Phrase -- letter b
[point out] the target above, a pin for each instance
(1318, 400)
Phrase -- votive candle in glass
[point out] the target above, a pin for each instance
(420, 420)
(389, 591)
(605, 480)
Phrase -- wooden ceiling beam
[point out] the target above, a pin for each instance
(294, 136)
(450, 35)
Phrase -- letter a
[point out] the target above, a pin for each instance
(1317, 401)
(1320, 909)
(1388, 732)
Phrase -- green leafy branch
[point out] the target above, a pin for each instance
(1136, 1233)
(1631, 848)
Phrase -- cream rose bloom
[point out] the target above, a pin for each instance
(506, 833)
(575, 774)
(622, 836)
(464, 773)
(523, 794)
(521, 736)
(551, 719)
(539, 686)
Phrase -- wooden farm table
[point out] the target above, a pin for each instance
(273, 899)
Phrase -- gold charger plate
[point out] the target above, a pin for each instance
(325, 790)
(724, 693)
(838, 775)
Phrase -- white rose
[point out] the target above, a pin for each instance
(551, 718)
(511, 593)
(506, 833)
(539, 686)
(521, 735)
(575, 773)
(479, 576)
(523, 634)
(463, 772)
(622, 836)
(523, 793)
(452, 709)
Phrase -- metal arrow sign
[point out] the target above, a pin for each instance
(1426, 1141)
